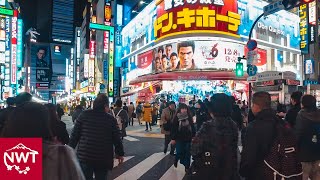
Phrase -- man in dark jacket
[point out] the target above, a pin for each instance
(308, 133)
(291, 115)
(258, 137)
(96, 133)
(4, 113)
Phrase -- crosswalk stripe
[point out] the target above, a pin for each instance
(129, 138)
(138, 170)
(116, 162)
(174, 173)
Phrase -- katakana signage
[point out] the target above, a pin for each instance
(176, 17)
(303, 14)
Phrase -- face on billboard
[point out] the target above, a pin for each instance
(174, 61)
(168, 50)
(186, 52)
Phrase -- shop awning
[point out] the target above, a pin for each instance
(190, 75)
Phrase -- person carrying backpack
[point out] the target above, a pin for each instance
(215, 146)
(165, 124)
(270, 147)
(122, 117)
(308, 134)
(182, 132)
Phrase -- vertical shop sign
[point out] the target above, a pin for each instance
(14, 48)
(91, 75)
(92, 49)
(105, 70)
(85, 66)
(304, 43)
(107, 14)
(312, 21)
(111, 63)
(105, 42)
(19, 43)
(7, 53)
(309, 66)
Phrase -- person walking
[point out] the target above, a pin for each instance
(147, 115)
(122, 117)
(291, 116)
(308, 134)
(236, 115)
(202, 114)
(131, 113)
(166, 124)
(266, 139)
(125, 107)
(139, 112)
(76, 113)
(4, 113)
(182, 133)
(58, 128)
(155, 109)
(60, 111)
(215, 146)
(31, 120)
(97, 137)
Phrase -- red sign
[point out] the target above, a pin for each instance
(21, 158)
(14, 48)
(105, 42)
(145, 59)
(92, 49)
(217, 17)
(261, 56)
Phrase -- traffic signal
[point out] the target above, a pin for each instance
(239, 69)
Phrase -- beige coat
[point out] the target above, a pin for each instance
(60, 159)
(165, 117)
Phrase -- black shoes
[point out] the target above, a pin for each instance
(175, 163)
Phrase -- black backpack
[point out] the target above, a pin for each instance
(282, 162)
(217, 159)
(312, 137)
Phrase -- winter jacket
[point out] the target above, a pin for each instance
(125, 118)
(237, 116)
(131, 110)
(201, 116)
(291, 116)
(4, 115)
(303, 129)
(147, 112)
(257, 143)
(60, 112)
(206, 140)
(76, 114)
(166, 116)
(176, 131)
(97, 135)
(60, 162)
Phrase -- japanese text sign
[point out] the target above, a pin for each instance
(303, 14)
(199, 16)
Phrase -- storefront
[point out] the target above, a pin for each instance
(192, 47)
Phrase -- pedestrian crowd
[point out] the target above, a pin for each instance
(202, 136)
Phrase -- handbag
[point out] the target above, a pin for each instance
(134, 115)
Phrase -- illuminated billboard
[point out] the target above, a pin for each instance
(179, 17)
(193, 55)
(14, 24)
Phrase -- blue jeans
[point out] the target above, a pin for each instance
(100, 173)
(183, 153)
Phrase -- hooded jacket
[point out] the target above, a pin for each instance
(304, 126)
(292, 114)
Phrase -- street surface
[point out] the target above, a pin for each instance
(144, 157)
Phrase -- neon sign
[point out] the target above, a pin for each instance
(19, 43)
(196, 16)
(14, 48)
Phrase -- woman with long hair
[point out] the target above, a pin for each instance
(58, 128)
(182, 132)
(31, 120)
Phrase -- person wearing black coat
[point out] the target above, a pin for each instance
(258, 137)
(291, 116)
(98, 137)
(4, 113)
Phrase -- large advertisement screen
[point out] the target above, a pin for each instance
(41, 66)
(193, 55)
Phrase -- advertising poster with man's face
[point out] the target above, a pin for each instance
(197, 55)
(41, 66)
